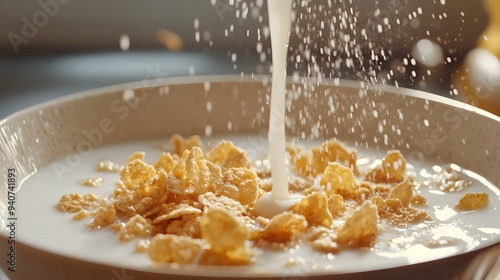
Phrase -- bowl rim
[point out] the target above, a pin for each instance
(254, 78)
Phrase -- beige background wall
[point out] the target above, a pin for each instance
(95, 24)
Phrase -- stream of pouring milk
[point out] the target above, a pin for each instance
(279, 199)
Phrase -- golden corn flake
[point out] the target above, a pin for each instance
(240, 184)
(73, 203)
(211, 202)
(180, 144)
(187, 225)
(166, 162)
(361, 228)
(136, 174)
(156, 188)
(136, 155)
(226, 236)
(137, 226)
(181, 198)
(196, 173)
(301, 160)
(222, 231)
(125, 200)
(228, 155)
(116, 226)
(283, 228)
(311, 190)
(169, 248)
(103, 216)
(419, 200)
(338, 179)
(142, 246)
(83, 214)
(403, 191)
(372, 189)
(266, 185)
(299, 184)
(473, 201)
(174, 211)
(324, 240)
(262, 171)
(333, 151)
(315, 162)
(336, 206)
(315, 209)
(177, 186)
(394, 212)
(146, 206)
(390, 170)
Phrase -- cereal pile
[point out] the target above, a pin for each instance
(192, 206)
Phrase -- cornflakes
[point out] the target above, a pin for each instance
(390, 170)
(324, 240)
(336, 206)
(180, 144)
(473, 201)
(194, 173)
(361, 228)
(228, 155)
(283, 228)
(187, 225)
(136, 174)
(395, 213)
(315, 162)
(210, 201)
(299, 184)
(103, 216)
(333, 151)
(136, 155)
(338, 179)
(301, 160)
(188, 208)
(240, 184)
(166, 162)
(222, 231)
(137, 226)
(142, 246)
(83, 214)
(170, 248)
(403, 191)
(174, 211)
(314, 208)
(419, 200)
(73, 203)
(226, 236)
(125, 200)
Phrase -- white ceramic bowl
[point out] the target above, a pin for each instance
(424, 127)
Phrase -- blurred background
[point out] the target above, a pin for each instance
(51, 48)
